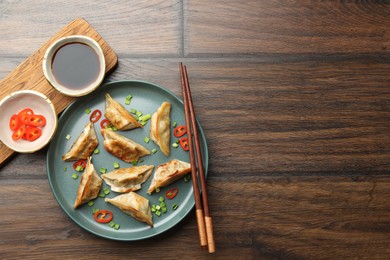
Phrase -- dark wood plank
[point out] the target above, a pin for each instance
(151, 28)
(251, 27)
(289, 217)
(299, 118)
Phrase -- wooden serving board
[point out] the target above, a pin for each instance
(29, 74)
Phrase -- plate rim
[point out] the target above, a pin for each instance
(179, 217)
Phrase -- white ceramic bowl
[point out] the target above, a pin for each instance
(50, 55)
(40, 104)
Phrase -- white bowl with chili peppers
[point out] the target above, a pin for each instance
(28, 120)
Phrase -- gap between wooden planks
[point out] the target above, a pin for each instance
(29, 74)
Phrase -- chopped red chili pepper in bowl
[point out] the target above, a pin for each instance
(31, 119)
(25, 125)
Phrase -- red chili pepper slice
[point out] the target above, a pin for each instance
(27, 111)
(95, 116)
(19, 132)
(104, 123)
(81, 162)
(32, 133)
(103, 216)
(180, 131)
(172, 193)
(14, 122)
(36, 120)
(23, 117)
(184, 143)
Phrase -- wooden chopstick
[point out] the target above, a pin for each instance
(193, 130)
(198, 203)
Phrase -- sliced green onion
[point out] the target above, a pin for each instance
(106, 190)
(102, 194)
(135, 117)
(143, 123)
(127, 102)
(113, 128)
(116, 226)
(65, 169)
(103, 170)
(134, 163)
(96, 151)
(111, 224)
(158, 207)
(164, 209)
(158, 213)
(79, 168)
(129, 97)
(162, 204)
(153, 209)
(87, 111)
(175, 206)
(147, 140)
(145, 117)
(157, 190)
(133, 111)
(94, 210)
(116, 165)
(138, 113)
(175, 145)
(174, 123)
(161, 199)
(154, 150)
(74, 176)
(90, 203)
(67, 137)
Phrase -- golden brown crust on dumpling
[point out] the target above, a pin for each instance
(160, 127)
(118, 115)
(135, 205)
(90, 184)
(122, 147)
(84, 145)
(168, 172)
(128, 179)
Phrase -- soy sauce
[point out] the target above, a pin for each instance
(75, 65)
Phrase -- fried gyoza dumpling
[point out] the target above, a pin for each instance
(169, 172)
(122, 147)
(160, 127)
(118, 115)
(83, 146)
(135, 205)
(128, 179)
(90, 184)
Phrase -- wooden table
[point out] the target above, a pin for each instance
(294, 98)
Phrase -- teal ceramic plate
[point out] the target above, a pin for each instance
(147, 97)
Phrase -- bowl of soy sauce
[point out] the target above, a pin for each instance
(74, 65)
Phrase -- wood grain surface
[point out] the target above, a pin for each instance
(29, 74)
(294, 99)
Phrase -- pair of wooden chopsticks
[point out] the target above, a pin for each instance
(205, 226)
